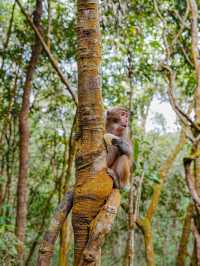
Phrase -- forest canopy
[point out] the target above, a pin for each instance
(146, 59)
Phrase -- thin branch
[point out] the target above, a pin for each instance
(49, 24)
(158, 11)
(185, 119)
(180, 18)
(195, 54)
(52, 60)
(163, 172)
(188, 174)
(182, 25)
(187, 130)
(197, 238)
(196, 140)
(5, 45)
(42, 224)
(195, 38)
(186, 55)
(138, 199)
(47, 245)
(183, 243)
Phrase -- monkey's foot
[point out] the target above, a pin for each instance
(112, 174)
(108, 137)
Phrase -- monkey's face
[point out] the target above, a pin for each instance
(123, 117)
(117, 121)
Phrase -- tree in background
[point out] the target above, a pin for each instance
(129, 30)
(22, 190)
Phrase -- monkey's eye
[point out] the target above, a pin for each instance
(123, 113)
(115, 120)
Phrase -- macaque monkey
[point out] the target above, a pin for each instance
(119, 147)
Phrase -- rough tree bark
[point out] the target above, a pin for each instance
(95, 202)
(93, 185)
(47, 245)
(195, 53)
(182, 252)
(65, 234)
(24, 138)
(196, 144)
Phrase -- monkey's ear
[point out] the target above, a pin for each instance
(107, 113)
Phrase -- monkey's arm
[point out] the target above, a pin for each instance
(112, 154)
(123, 146)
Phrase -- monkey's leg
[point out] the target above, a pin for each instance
(115, 178)
(122, 169)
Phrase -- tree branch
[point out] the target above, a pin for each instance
(49, 24)
(47, 245)
(182, 251)
(100, 227)
(195, 54)
(187, 166)
(195, 38)
(52, 60)
(185, 119)
(186, 55)
(197, 238)
(182, 25)
(164, 169)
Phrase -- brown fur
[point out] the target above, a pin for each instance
(119, 157)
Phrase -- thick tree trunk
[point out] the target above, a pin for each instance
(93, 185)
(24, 139)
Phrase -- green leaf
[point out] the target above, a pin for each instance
(136, 150)
(155, 178)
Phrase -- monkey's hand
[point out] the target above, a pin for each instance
(108, 138)
(123, 146)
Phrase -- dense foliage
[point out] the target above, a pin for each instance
(133, 51)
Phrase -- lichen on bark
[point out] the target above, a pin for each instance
(93, 185)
